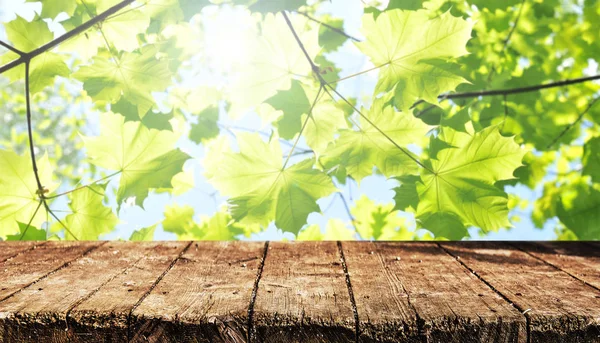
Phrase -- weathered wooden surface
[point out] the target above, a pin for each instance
(299, 292)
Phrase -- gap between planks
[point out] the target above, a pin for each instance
(554, 265)
(158, 280)
(487, 283)
(64, 265)
(348, 279)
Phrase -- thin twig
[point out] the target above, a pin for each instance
(505, 114)
(521, 89)
(40, 188)
(79, 29)
(313, 66)
(84, 186)
(324, 86)
(414, 159)
(350, 216)
(512, 30)
(59, 221)
(334, 29)
(31, 220)
(308, 117)
(570, 126)
(11, 48)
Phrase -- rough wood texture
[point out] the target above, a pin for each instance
(203, 298)
(12, 249)
(559, 308)
(449, 304)
(302, 295)
(299, 292)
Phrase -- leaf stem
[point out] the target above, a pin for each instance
(570, 126)
(84, 186)
(381, 131)
(26, 57)
(313, 66)
(11, 48)
(308, 117)
(31, 220)
(334, 29)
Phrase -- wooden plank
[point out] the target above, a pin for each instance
(203, 298)
(452, 305)
(580, 260)
(105, 315)
(28, 267)
(41, 310)
(302, 295)
(559, 308)
(384, 311)
(12, 249)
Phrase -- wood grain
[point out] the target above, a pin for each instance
(580, 260)
(203, 298)
(302, 295)
(448, 302)
(11, 249)
(41, 310)
(26, 268)
(105, 315)
(559, 307)
(299, 292)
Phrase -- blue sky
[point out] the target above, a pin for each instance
(203, 198)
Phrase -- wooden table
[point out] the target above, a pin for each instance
(299, 292)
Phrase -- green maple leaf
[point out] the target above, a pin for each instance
(445, 225)
(135, 75)
(329, 39)
(18, 191)
(579, 210)
(28, 233)
(274, 6)
(206, 127)
(335, 230)
(28, 36)
(144, 234)
(90, 218)
(294, 103)
(52, 8)
(261, 190)
(179, 220)
(121, 30)
(144, 157)
(461, 179)
(591, 159)
(406, 194)
(359, 151)
(220, 226)
(380, 222)
(274, 60)
(409, 48)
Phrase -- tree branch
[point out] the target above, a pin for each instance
(570, 126)
(27, 56)
(334, 29)
(313, 66)
(11, 48)
(520, 89)
(40, 188)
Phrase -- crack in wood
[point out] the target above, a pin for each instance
(487, 283)
(158, 280)
(250, 326)
(64, 265)
(350, 291)
(33, 246)
(553, 266)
